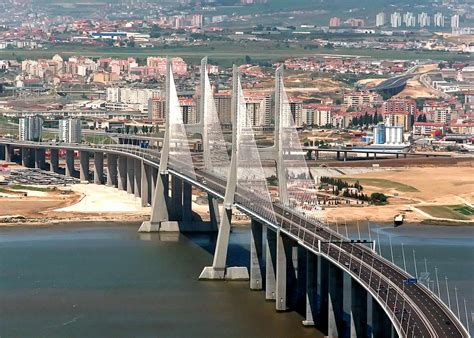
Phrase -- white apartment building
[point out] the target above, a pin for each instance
(395, 20)
(70, 131)
(136, 99)
(438, 19)
(380, 19)
(30, 128)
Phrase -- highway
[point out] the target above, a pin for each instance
(413, 309)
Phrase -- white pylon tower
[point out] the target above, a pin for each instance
(218, 270)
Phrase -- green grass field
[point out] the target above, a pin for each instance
(456, 212)
(27, 187)
(226, 53)
(382, 184)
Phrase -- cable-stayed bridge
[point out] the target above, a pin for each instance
(295, 257)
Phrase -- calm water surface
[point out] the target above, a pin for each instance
(109, 281)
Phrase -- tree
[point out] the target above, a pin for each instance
(135, 129)
(378, 198)
(127, 129)
(248, 59)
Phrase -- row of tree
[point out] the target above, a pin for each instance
(366, 120)
(136, 130)
(340, 184)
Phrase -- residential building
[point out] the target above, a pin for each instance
(455, 21)
(223, 103)
(395, 20)
(409, 19)
(70, 130)
(334, 22)
(424, 19)
(427, 128)
(30, 128)
(356, 99)
(380, 19)
(157, 109)
(438, 19)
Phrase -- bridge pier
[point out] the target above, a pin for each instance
(214, 214)
(3, 150)
(27, 159)
(154, 180)
(130, 175)
(9, 152)
(345, 156)
(40, 160)
(54, 160)
(70, 163)
(145, 183)
(160, 206)
(336, 302)
(176, 198)
(122, 173)
(358, 310)
(137, 177)
(256, 256)
(311, 288)
(286, 268)
(112, 170)
(338, 155)
(98, 167)
(381, 325)
(187, 213)
(84, 166)
(270, 266)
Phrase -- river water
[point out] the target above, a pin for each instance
(101, 280)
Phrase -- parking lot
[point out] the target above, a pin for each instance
(40, 177)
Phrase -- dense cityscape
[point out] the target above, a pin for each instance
(322, 152)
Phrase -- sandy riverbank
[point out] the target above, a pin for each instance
(421, 194)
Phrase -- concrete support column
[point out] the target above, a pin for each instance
(112, 170)
(70, 163)
(256, 256)
(9, 152)
(137, 177)
(316, 155)
(214, 213)
(40, 159)
(98, 167)
(177, 198)
(358, 310)
(84, 166)
(130, 175)
(338, 155)
(323, 294)
(381, 325)
(285, 272)
(145, 183)
(311, 288)
(3, 152)
(54, 161)
(397, 155)
(27, 159)
(154, 180)
(336, 302)
(404, 155)
(187, 202)
(345, 156)
(375, 156)
(122, 173)
(270, 265)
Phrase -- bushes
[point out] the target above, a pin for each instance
(378, 198)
